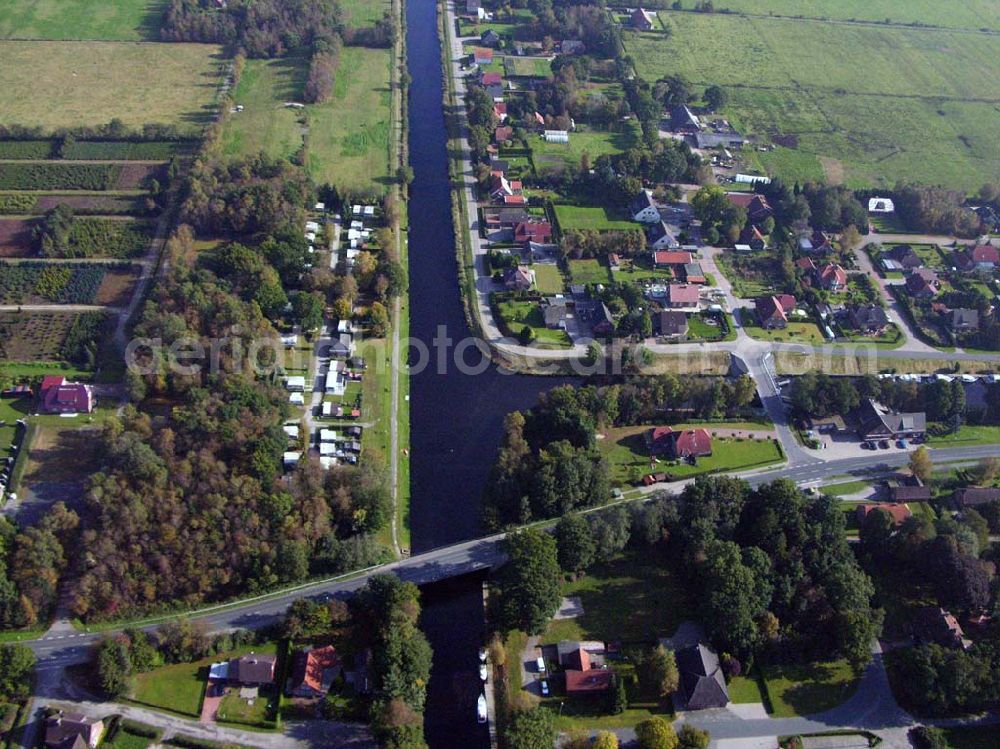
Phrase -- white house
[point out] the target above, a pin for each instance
(643, 209)
(335, 383)
(661, 237)
(291, 430)
(312, 226)
(296, 399)
(328, 435)
(295, 384)
(556, 136)
(881, 205)
(290, 459)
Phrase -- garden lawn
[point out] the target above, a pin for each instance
(845, 489)
(588, 271)
(364, 12)
(548, 278)
(518, 315)
(915, 110)
(527, 67)
(96, 82)
(178, 688)
(121, 20)
(744, 690)
(592, 142)
(349, 134)
(634, 599)
(233, 709)
(809, 688)
(795, 332)
(591, 217)
(628, 460)
(967, 435)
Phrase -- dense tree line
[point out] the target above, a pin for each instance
(935, 210)
(322, 68)
(17, 666)
(384, 619)
(258, 28)
(253, 195)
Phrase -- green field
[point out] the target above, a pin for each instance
(871, 104)
(588, 271)
(967, 436)
(527, 67)
(548, 279)
(591, 217)
(68, 84)
(265, 124)
(348, 135)
(594, 143)
(363, 12)
(808, 689)
(959, 14)
(120, 20)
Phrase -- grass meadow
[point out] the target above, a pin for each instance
(363, 12)
(120, 20)
(863, 104)
(68, 84)
(959, 14)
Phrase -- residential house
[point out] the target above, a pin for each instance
(683, 120)
(974, 496)
(59, 396)
(500, 109)
(831, 277)
(694, 274)
(937, 625)
(983, 257)
(495, 92)
(908, 493)
(757, 207)
(642, 20)
(807, 266)
(753, 237)
(503, 134)
(488, 79)
(295, 383)
(702, 683)
(671, 324)
(679, 444)
(72, 731)
(644, 209)
(660, 237)
(252, 670)
(963, 320)
(500, 186)
(520, 278)
(533, 231)
(922, 283)
(614, 261)
(557, 314)
(705, 139)
(601, 320)
(904, 255)
(875, 422)
(773, 311)
(898, 512)
(313, 672)
(674, 259)
(490, 38)
(593, 681)
(881, 205)
(868, 318)
(682, 296)
(572, 47)
(482, 56)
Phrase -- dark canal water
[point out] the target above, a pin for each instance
(456, 418)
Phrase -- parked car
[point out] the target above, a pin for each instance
(883, 444)
(901, 444)
(540, 665)
(545, 688)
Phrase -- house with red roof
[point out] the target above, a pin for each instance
(482, 56)
(898, 512)
(679, 443)
(503, 134)
(500, 110)
(922, 283)
(773, 311)
(981, 257)
(313, 672)
(682, 296)
(491, 79)
(533, 231)
(672, 258)
(58, 396)
(757, 207)
(831, 277)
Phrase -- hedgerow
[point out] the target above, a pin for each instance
(55, 175)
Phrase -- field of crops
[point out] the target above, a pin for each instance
(55, 175)
(15, 237)
(154, 150)
(42, 336)
(26, 149)
(127, 20)
(959, 14)
(41, 283)
(66, 84)
(866, 103)
(100, 237)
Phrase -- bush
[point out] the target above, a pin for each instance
(93, 237)
(17, 203)
(70, 283)
(926, 737)
(26, 149)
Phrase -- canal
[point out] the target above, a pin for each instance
(456, 417)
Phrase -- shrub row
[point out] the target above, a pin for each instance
(70, 283)
(98, 237)
(156, 150)
(17, 203)
(26, 149)
(54, 175)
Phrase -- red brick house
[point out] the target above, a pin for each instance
(313, 671)
(831, 277)
(682, 296)
(57, 396)
(772, 311)
(672, 258)
(898, 512)
(533, 231)
(757, 207)
(679, 444)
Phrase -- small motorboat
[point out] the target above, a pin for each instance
(484, 672)
(481, 708)
(482, 655)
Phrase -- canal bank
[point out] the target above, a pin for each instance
(457, 411)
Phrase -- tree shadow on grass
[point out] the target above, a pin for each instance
(814, 688)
